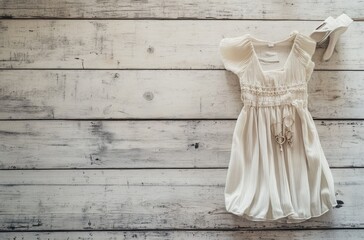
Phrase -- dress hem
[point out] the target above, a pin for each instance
(287, 217)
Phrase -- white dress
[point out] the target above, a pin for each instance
(277, 167)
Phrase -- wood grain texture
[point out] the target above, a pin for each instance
(172, 9)
(160, 94)
(333, 234)
(149, 144)
(61, 80)
(146, 199)
(145, 44)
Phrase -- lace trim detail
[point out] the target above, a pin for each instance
(273, 91)
(273, 96)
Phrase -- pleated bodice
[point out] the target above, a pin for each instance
(269, 87)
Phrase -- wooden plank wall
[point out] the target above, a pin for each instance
(116, 117)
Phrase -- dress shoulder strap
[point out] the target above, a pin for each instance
(235, 53)
(306, 47)
(307, 44)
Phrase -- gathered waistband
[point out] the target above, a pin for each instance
(264, 96)
(252, 103)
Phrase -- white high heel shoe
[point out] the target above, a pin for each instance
(331, 29)
(322, 32)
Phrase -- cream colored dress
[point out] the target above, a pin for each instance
(277, 167)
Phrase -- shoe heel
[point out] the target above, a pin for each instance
(344, 20)
(333, 38)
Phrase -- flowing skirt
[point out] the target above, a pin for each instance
(264, 183)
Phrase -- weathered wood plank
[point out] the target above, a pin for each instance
(149, 144)
(336, 94)
(146, 199)
(150, 44)
(130, 94)
(333, 234)
(197, 9)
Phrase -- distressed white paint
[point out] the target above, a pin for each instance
(146, 199)
(197, 9)
(172, 94)
(154, 199)
(334, 234)
(149, 144)
(146, 44)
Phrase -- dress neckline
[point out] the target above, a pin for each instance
(293, 36)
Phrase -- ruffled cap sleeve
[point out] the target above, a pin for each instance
(234, 53)
(307, 48)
